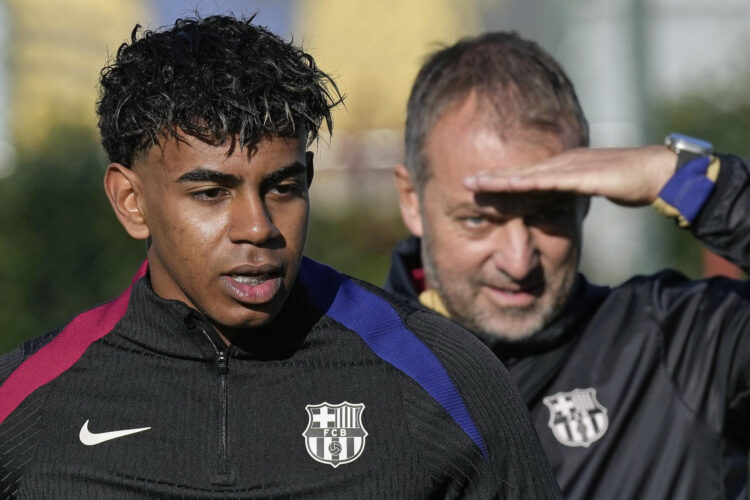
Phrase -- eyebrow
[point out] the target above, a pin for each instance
(208, 175)
(286, 172)
(202, 174)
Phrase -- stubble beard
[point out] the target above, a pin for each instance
(459, 295)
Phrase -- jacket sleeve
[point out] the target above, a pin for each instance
(706, 324)
(514, 466)
(723, 223)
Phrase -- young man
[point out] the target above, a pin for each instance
(234, 367)
(638, 391)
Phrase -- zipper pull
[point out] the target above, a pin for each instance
(222, 363)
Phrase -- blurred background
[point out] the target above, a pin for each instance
(642, 69)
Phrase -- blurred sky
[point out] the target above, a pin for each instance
(273, 14)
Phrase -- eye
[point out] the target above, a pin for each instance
(287, 189)
(209, 194)
(474, 221)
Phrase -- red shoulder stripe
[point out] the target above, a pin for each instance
(63, 351)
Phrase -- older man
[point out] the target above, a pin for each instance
(637, 391)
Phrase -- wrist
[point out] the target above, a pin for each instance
(679, 151)
(661, 164)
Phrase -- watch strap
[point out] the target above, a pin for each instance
(687, 148)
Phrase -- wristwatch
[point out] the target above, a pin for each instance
(687, 148)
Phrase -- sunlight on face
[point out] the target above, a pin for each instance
(503, 264)
(227, 227)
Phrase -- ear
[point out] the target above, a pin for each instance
(408, 200)
(310, 170)
(121, 185)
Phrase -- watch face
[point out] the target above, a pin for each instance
(681, 142)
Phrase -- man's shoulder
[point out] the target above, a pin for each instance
(457, 370)
(437, 332)
(12, 360)
(479, 395)
(409, 338)
(669, 286)
(467, 364)
(685, 312)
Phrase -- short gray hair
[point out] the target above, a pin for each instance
(523, 86)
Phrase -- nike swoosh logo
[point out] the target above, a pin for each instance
(90, 439)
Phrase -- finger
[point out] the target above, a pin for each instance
(539, 181)
(501, 179)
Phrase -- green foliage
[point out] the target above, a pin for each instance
(356, 241)
(61, 248)
(727, 127)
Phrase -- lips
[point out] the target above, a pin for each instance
(251, 284)
(514, 296)
(249, 280)
(508, 298)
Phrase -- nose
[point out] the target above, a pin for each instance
(515, 252)
(251, 222)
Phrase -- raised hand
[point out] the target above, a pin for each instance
(627, 176)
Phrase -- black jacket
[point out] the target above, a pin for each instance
(345, 395)
(642, 391)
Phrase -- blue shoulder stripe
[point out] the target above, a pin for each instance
(380, 326)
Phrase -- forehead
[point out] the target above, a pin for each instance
(464, 141)
(173, 157)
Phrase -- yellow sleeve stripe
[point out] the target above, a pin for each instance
(713, 170)
(431, 300)
(670, 212)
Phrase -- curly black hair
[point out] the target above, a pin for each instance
(217, 78)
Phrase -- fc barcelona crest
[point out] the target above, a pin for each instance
(334, 433)
(577, 418)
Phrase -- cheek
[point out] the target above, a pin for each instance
(457, 255)
(206, 230)
(291, 221)
(437, 226)
(193, 234)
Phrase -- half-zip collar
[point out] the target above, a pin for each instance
(171, 328)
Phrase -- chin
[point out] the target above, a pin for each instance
(256, 321)
(525, 324)
(244, 319)
(515, 335)
(501, 330)
(516, 327)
